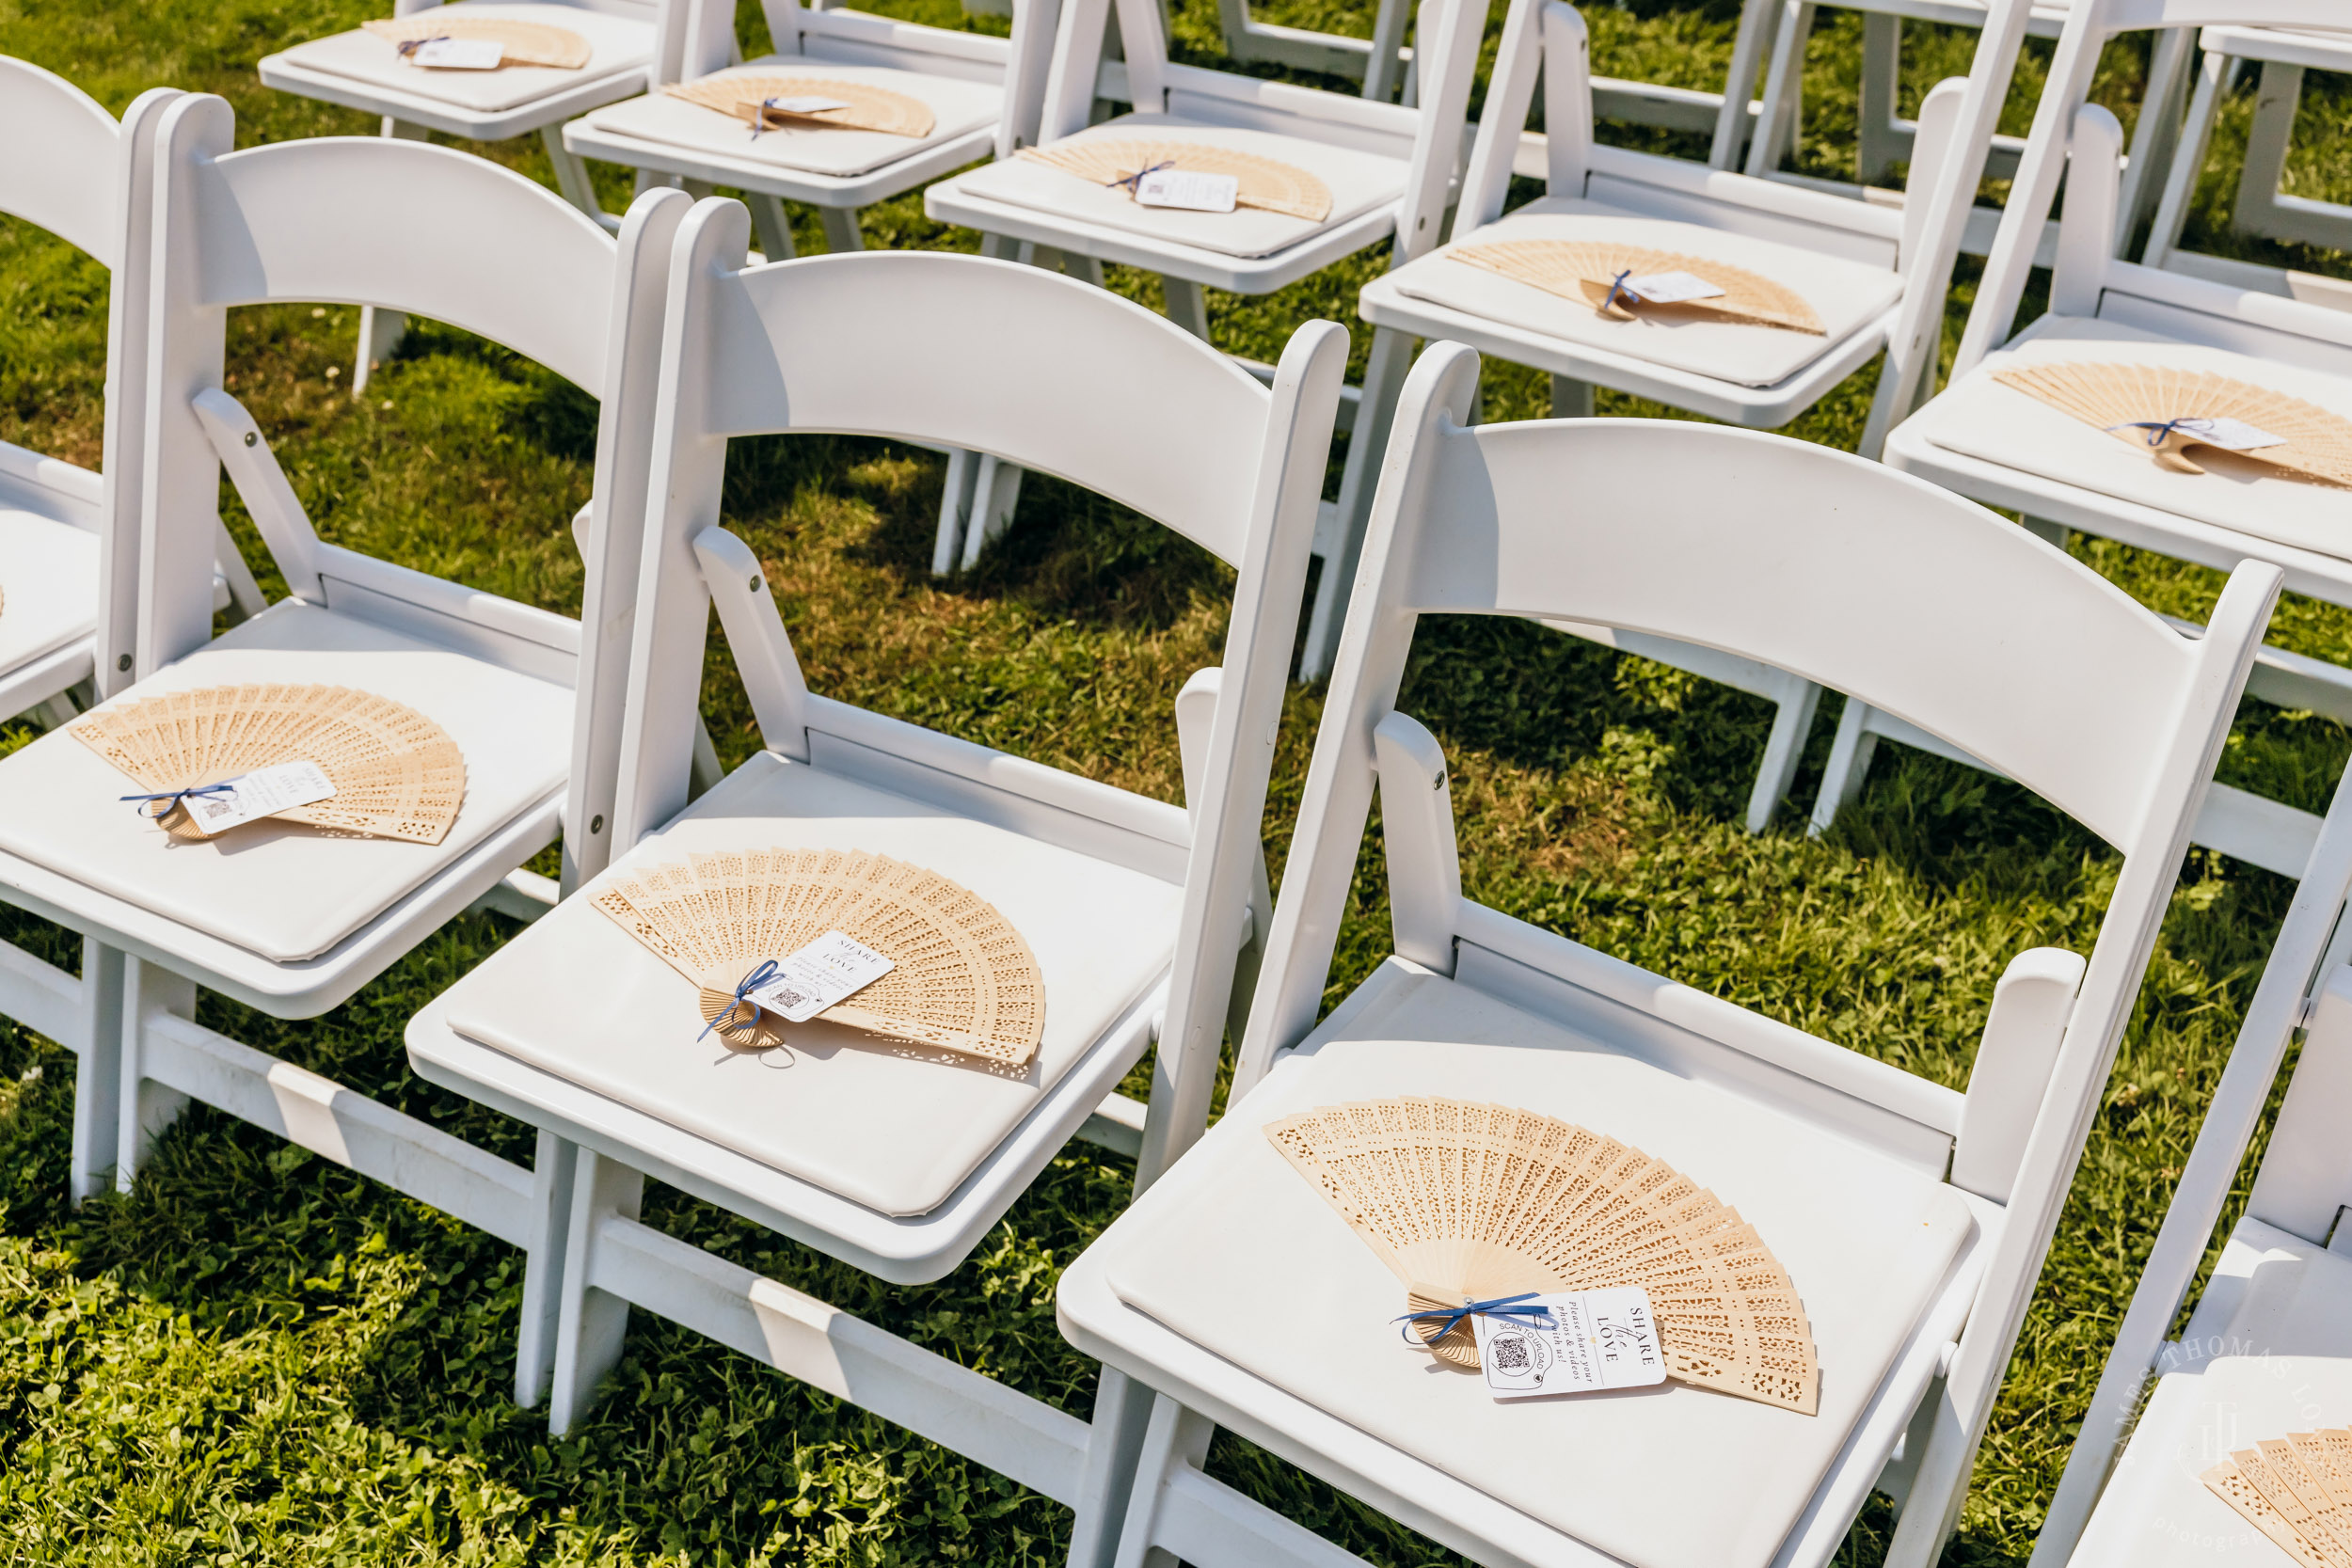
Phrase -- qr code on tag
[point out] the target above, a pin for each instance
(1510, 1353)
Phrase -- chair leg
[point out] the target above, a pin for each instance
(955, 511)
(1122, 1407)
(2188, 159)
(2156, 137)
(1731, 121)
(1174, 1436)
(1938, 1486)
(1849, 765)
(1388, 37)
(591, 1324)
(1776, 124)
(1384, 378)
(1571, 399)
(380, 331)
(773, 228)
(2279, 95)
(144, 1107)
(571, 175)
(98, 1073)
(55, 709)
(553, 1167)
(1883, 142)
(995, 492)
(841, 230)
(1791, 723)
(1188, 305)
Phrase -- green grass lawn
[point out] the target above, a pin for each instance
(256, 1357)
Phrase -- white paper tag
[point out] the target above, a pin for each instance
(818, 975)
(1595, 1339)
(1672, 288)
(260, 793)
(1190, 190)
(2229, 434)
(804, 105)
(459, 55)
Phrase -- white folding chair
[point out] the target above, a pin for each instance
(1388, 168)
(2001, 446)
(2261, 208)
(1875, 277)
(1912, 1219)
(60, 524)
(2268, 1349)
(1141, 915)
(288, 919)
(984, 93)
(633, 44)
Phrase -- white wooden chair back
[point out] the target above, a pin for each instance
(1035, 369)
(429, 231)
(79, 177)
(1920, 239)
(2088, 280)
(1428, 137)
(1863, 580)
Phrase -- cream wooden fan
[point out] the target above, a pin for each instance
(1467, 1202)
(964, 979)
(396, 774)
(1265, 184)
(522, 42)
(2298, 1490)
(1595, 272)
(764, 101)
(2156, 407)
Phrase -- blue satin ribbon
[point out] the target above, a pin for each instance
(172, 798)
(409, 48)
(762, 127)
(2159, 429)
(1135, 182)
(1616, 287)
(1453, 1317)
(751, 982)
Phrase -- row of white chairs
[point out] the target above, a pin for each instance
(1155, 919)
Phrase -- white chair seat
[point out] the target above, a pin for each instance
(1238, 1254)
(48, 586)
(2280, 1349)
(616, 44)
(1976, 417)
(893, 1126)
(286, 892)
(957, 107)
(1358, 183)
(1849, 296)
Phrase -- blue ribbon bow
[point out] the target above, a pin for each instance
(760, 125)
(1133, 182)
(172, 798)
(410, 47)
(1616, 287)
(1453, 1317)
(2159, 429)
(751, 982)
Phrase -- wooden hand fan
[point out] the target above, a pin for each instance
(523, 42)
(1466, 1202)
(1589, 270)
(396, 774)
(1265, 184)
(2147, 405)
(2298, 1490)
(757, 100)
(964, 979)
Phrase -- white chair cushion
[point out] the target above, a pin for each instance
(1237, 1252)
(1358, 181)
(615, 44)
(956, 108)
(1847, 295)
(2289, 1369)
(891, 1126)
(282, 890)
(1980, 418)
(48, 586)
